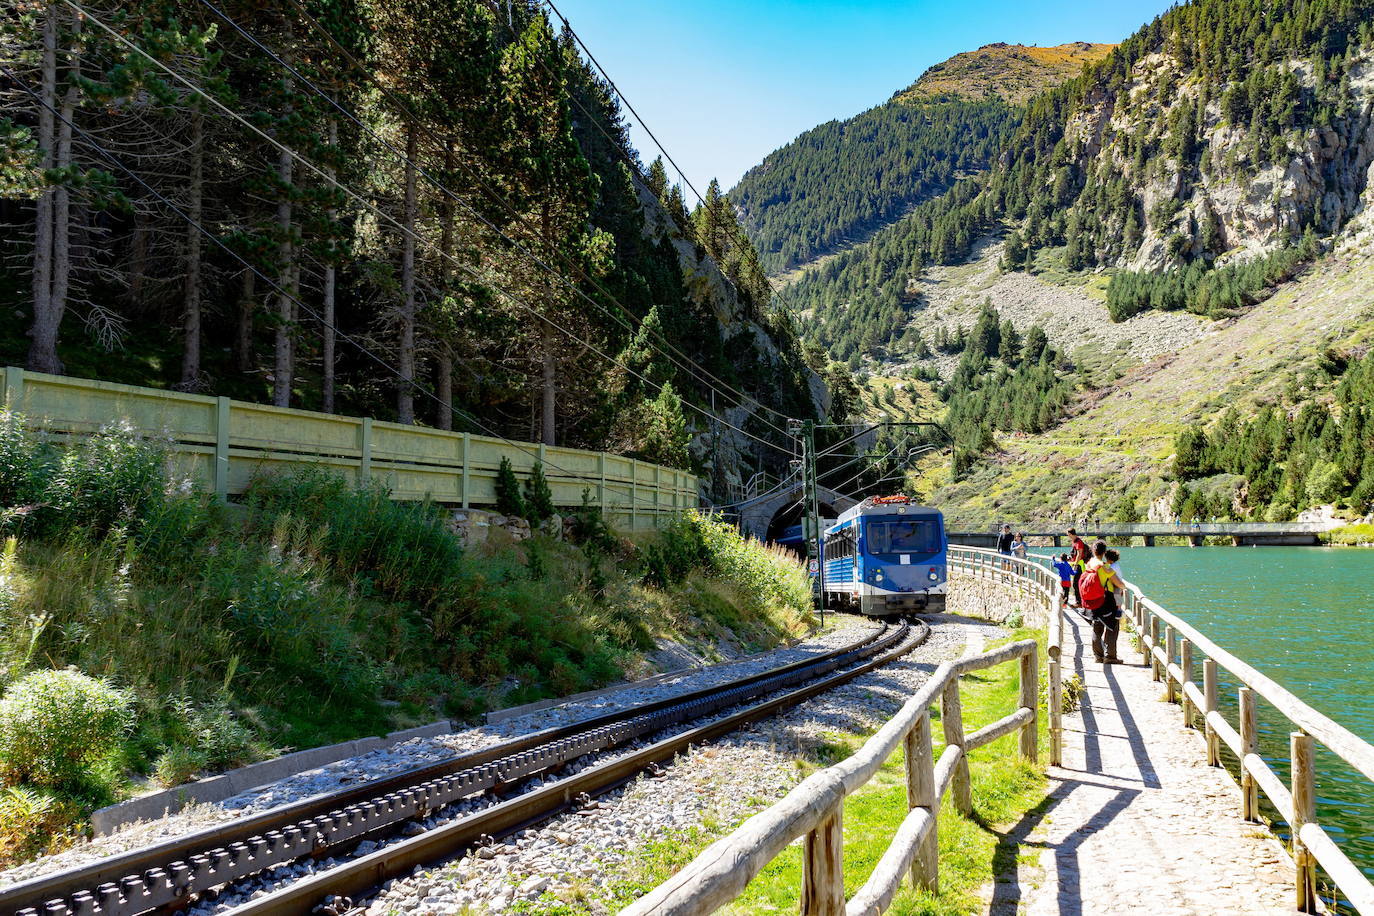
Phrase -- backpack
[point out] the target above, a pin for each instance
(1090, 590)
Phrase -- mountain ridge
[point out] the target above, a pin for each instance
(1013, 71)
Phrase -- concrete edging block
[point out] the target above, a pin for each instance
(226, 785)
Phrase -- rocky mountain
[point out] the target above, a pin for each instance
(837, 183)
(1215, 163)
(1014, 72)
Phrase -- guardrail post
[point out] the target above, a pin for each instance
(365, 450)
(634, 494)
(920, 793)
(221, 469)
(823, 867)
(1304, 812)
(1030, 699)
(1209, 697)
(1249, 741)
(952, 720)
(467, 469)
(1185, 664)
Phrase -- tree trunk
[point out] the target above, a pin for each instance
(550, 356)
(282, 365)
(190, 352)
(327, 332)
(550, 386)
(43, 331)
(443, 370)
(405, 393)
(62, 195)
(443, 377)
(243, 335)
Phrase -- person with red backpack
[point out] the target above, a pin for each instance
(1097, 587)
(1078, 558)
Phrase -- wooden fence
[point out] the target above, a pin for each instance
(223, 443)
(813, 810)
(1175, 649)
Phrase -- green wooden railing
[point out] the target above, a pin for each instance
(223, 443)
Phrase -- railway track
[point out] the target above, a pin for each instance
(173, 875)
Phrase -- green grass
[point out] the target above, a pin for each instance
(973, 850)
(320, 611)
(1360, 534)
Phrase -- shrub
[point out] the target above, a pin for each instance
(538, 496)
(109, 480)
(56, 725)
(770, 574)
(508, 498)
(32, 821)
(177, 765)
(24, 466)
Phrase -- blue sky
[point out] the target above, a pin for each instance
(724, 82)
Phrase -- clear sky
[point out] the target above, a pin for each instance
(724, 82)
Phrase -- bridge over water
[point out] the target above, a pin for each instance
(1241, 534)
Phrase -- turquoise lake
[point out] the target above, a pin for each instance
(1305, 617)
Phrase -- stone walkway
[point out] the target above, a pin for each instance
(1136, 821)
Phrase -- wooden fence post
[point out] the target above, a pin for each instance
(1154, 641)
(1170, 652)
(221, 469)
(1249, 797)
(952, 720)
(823, 867)
(1304, 812)
(1209, 698)
(1030, 699)
(1056, 711)
(1185, 664)
(920, 793)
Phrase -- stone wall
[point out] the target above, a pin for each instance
(995, 598)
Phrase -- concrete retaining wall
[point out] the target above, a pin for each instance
(227, 785)
(994, 599)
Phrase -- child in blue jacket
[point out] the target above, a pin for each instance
(1065, 571)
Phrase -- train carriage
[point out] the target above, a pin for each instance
(886, 557)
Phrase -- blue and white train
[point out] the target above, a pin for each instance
(886, 558)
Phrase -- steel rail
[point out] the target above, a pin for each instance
(343, 885)
(165, 873)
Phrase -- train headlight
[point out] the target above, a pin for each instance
(934, 576)
(878, 575)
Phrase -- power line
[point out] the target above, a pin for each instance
(200, 227)
(633, 323)
(642, 123)
(382, 215)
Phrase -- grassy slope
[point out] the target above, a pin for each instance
(1015, 72)
(1122, 436)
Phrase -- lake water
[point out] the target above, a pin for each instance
(1302, 615)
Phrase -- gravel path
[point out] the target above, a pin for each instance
(421, 751)
(577, 857)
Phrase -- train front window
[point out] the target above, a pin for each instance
(903, 535)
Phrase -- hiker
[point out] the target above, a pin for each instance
(1078, 558)
(1018, 546)
(1066, 576)
(1098, 586)
(1004, 541)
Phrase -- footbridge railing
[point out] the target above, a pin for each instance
(1175, 649)
(813, 810)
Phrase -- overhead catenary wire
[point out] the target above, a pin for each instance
(387, 218)
(366, 351)
(627, 319)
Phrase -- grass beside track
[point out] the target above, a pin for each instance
(973, 850)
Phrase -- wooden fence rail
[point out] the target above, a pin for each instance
(813, 811)
(223, 443)
(1174, 648)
